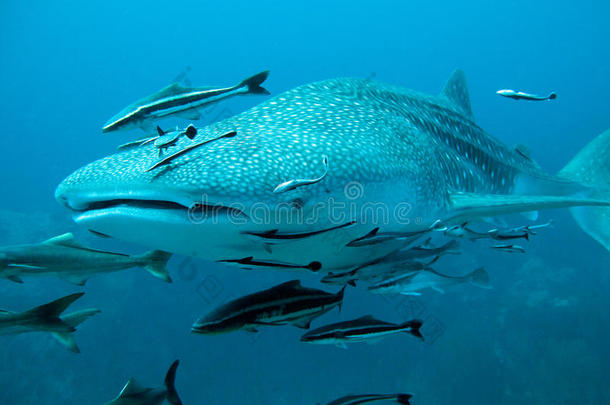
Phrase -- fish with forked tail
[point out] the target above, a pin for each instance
(134, 394)
(67, 259)
(179, 100)
(48, 318)
(520, 95)
(285, 304)
(412, 283)
(365, 329)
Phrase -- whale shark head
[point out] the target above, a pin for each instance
(206, 196)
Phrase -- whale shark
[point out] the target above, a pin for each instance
(393, 159)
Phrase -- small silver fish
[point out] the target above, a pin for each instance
(509, 248)
(292, 184)
(519, 95)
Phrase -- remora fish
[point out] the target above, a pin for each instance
(365, 398)
(409, 155)
(519, 95)
(365, 329)
(178, 100)
(48, 318)
(285, 304)
(411, 284)
(65, 258)
(134, 394)
(396, 263)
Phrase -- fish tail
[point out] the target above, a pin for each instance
(49, 314)
(74, 319)
(403, 398)
(552, 96)
(156, 264)
(591, 167)
(479, 277)
(170, 379)
(254, 83)
(413, 327)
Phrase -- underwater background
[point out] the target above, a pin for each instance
(539, 336)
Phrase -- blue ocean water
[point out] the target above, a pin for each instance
(539, 336)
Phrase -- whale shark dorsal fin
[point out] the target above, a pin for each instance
(67, 239)
(456, 91)
(132, 387)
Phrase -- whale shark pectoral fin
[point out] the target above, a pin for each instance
(466, 206)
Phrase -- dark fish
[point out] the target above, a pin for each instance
(295, 183)
(134, 394)
(365, 398)
(365, 329)
(250, 261)
(48, 318)
(375, 237)
(171, 157)
(275, 235)
(286, 304)
(178, 100)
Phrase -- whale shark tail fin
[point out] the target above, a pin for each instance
(591, 167)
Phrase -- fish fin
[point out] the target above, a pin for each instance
(292, 284)
(340, 294)
(479, 277)
(67, 239)
(130, 388)
(251, 329)
(254, 83)
(134, 144)
(15, 279)
(352, 283)
(76, 318)
(304, 323)
(156, 264)
(168, 91)
(552, 96)
(23, 266)
(74, 279)
(267, 247)
(50, 313)
(438, 289)
(471, 205)
(412, 293)
(404, 399)
(341, 345)
(591, 167)
(170, 379)
(456, 91)
(428, 243)
(67, 339)
(414, 326)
